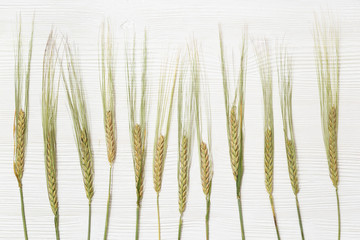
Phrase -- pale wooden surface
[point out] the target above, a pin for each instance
(170, 25)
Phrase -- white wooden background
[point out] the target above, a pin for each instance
(170, 25)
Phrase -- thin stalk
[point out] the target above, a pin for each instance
(180, 226)
(158, 214)
(299, 217)
(274, 216)
(23, 213)
(108, 206)
(338, 210)
(89, 221)
(207, 218)
(241, 217)
(137, 221)
(56, 221)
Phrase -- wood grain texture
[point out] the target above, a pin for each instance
(170, 24)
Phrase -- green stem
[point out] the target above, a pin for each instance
(207, 217)
(23, 213)
(241, 218)
(180, 226)
(56, 221)
(137, 221)
(274, 216)
(158, 214)
(108, 206)
(299, 217)
(89, 221)
(338, 210)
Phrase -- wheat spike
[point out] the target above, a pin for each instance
(51, 174)
(183, 173)
(87, 165)
(234, 142)
(20, 147)
(269, 161)
(328, 62)
(332, 126)
(22, 83)
(159, 163)
(206, 174)
(138, 155)
(292, 167)
(110, 137)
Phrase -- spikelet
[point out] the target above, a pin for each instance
(87, 165)
(159, 163)
(234, 143)
(110, 137)
(20, 146)
(50, 166)
(292, 167)
(206, 171)
(183, 173)
(333, 166)
(269, 161)
(138, 161)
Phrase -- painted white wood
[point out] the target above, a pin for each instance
(170, 25)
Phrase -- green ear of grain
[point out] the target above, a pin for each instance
(327, 57)
(49, 114)
(185, 117)
(284, 69)
(76, 101)
(234, 109)
(202, 106)
(262, 51)
(137, 120)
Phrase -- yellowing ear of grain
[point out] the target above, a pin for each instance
(138, 155)
(159, 163)
(20, 147)
(206, 174)
(183, 174)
